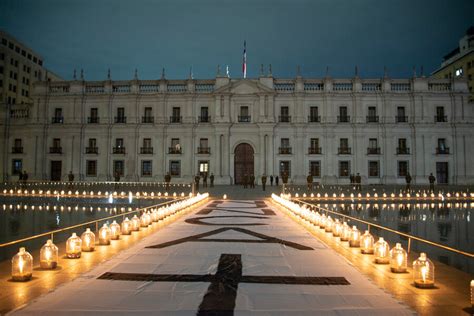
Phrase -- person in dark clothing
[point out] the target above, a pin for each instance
(167, 181)
(25, 177)
(197, 178)
(20, 176)
(264, 182)
(271, 180)
(309, 181)
(284, 178)
(117, 176)
(252, 181)
(70, 176)
(432, 180)
(212, 180)
(277, 179)
(245, 180)
(204, 180)
(352, 178)
(358, 181)
(408, 181)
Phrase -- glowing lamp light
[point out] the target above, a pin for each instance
(114, 231)
(22, 266)
(367, 243)
(130, 197)
(135, 223)
(126, 228)
(224, 197)
(398, 259)
(329, 224)
(355, 237)
(88, 240)
(346, 232)
(423, 272)
(381, 251)
(145, 220)
(104, 235)
(73, 247)
(49, 255)
(337, 229)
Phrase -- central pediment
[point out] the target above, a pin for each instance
(244, 86)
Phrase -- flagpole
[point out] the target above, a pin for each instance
(244, 60)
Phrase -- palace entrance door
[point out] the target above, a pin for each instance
(56, 166)
(243, 162)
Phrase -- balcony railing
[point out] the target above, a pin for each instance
(57, 120)
(442, 150)
(373, 151)
(204, 150)
(146, 150)
(403, 151)
(401, 119)
(93, 120)
(244, 118)
(372, 119)
(314, 150)
(284, 118)
(344, 150)
(204, 119)
(343, 119)
(284, 150)
(120, 119)
(175, 119)
(175, 151)
(148, 119)
(118, 150)
(314, 118)
(17, 150)
(440, 118)
(92, 150)
(55, 150)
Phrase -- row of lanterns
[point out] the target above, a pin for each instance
(82, 183)
(423, 268)
(90, 194)
(401, 195)
(22, 262)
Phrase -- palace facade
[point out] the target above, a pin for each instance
(330, 128)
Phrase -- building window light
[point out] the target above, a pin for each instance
(459, 72)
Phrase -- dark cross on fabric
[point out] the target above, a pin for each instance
(221, 294)
(207, 211)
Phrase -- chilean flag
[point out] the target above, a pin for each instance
(244, 61)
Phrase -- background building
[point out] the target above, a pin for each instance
(331, 128)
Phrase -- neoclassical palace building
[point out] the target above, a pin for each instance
(330, 128)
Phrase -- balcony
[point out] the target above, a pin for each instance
(175, 151)
(442, 150)
(373, 151)
(403, 151)
(204, 119)
(344, 119)
(92, 150)
(372, 119)
(118, 150)
(314, 118)
(284, 118)
(284, 150)
(55, 150)
(401, 119)
(57, 120)
(204, 150)
(93, 120)
(344, 150)
(17, 150)
(146, 150)
(244, 118)
(441, 118)
(120, 119)
(148, 119)
(175, 119)
(314, 151)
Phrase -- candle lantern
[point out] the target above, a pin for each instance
(88, 240)
(73, 247)
(104, 235)
(126, 226)
(346, 232)
(114, 231)
(355, 237)
(337, 228)
(367, 243)
(49, 255)
(382, 251)
(329, 224)
(135, 223)
(423, 272)
(322, 221)
(22, 266)
(398, 259)
(144, 220)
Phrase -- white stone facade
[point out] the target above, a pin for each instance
(433, 110)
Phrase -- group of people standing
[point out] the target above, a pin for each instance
(197, 180)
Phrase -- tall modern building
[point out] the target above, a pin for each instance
(459, 62)
(330, 128)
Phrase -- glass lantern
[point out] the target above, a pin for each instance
(337, 228)
(88, 240)
(49, 255)
(144, 220)
(423, 272)
(155, 216)
(114, 231)
(355, 237)
(73, 247)
(104, 235)
(22, 266)
(367, 243)
(322, 221)
(382, 251)
(346, 232)
(126, 226)
(329, 224)
(398, 259)
(135, 223)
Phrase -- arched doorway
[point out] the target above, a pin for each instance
(243, 162)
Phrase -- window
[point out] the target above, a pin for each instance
(94, 113)
(17, 142)
(401, 116)
(146, 168)
(315, 168)
(284, 114)
(344, 143)
(372, 111)
(176, 111)
(314, 142)
(29, 57)
(175, 146)
(91, 168)
(175, 168)
(344, 168)
(402, 168)
(343, 117)
(459, 72)
(17, 166)
(203, 167)
(402, 143)
(23, 52)
(58, 112)
(204, 118)
(244, 114)
(174, 142)
(120, 112)
(313, 111)
(147, 142)
(285, 168)
(92, 142)
(17, 49)
(285, 142)
(440, 116)
(119, 142)
(373, 168)
(203, 146)
(56, 142)
(148, 112)
(372, 142)
(119, 167)
(10, 45)
(4, 41)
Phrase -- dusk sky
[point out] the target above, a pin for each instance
(123, 35)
